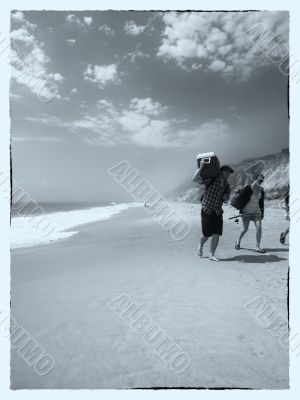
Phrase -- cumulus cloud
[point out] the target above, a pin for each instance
(102, 75)
(74, 91)
(22, 35)
(18, 19)
(217, 65)
(29, 62)
(56, 77)
(18, 16)
(132, 121)
(107, 30)
(73, 21)
(88, 20)
(223, 42)
(131, 28)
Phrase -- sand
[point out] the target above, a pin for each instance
(61, 294)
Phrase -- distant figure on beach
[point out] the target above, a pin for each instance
(217, 191)
(251, 206)
(287, 217)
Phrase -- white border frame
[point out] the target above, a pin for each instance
(293, 7)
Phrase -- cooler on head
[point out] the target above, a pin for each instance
(211, 167)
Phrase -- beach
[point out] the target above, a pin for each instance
(61, 294)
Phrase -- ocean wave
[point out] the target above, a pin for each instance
(33, 230)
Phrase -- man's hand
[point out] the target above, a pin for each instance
(202, 162)
(226, 197)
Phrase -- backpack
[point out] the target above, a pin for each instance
(236, 199)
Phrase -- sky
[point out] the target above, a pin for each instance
(93, 88)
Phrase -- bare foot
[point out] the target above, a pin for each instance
(259, 250)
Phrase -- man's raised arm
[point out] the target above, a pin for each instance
(197, 176)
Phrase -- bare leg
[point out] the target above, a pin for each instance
(214, 244)
(257, 224)
(200, 248)
(243, 231)
(283, 235)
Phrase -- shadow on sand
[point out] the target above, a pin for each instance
(279, 249)
(269, 250)
(260, 258)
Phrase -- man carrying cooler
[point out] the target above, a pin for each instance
(217, 191)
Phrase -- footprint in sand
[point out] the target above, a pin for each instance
(258, 350)
(241, 338)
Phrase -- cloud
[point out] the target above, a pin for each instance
(134, 55)
(222, 42)
(99, 127)
(29, 62)
(45, 119)
(18, 16)
(74, 91)
(217, 65)
(88, 20)
(135, 124)
(75, 22)
(16, 97)
(56, 77)
(142, 122)
(22, 35)
(146, 106)
(71, 42)
(131, 28)
(132, 121)
(215, 131)
(71, 19)
(107, 30)
(102, 75)
(18, 19)
(43, 139)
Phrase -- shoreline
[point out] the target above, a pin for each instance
(58, 225)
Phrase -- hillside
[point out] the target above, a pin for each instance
(275, 168)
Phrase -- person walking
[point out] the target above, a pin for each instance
(216, 192)
(251, 205)
(284, 234)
